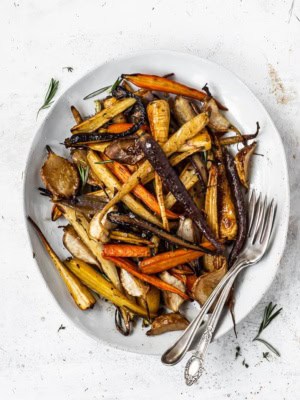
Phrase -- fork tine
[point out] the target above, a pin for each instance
(261, 222)
(267, 231)
(256, 217)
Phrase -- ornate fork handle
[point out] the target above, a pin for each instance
(196, 362)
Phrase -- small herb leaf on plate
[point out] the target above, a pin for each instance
(51, 92)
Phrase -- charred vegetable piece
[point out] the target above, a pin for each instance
(60, 176)
(200, 169)
(189, 178)
(237, 192)
(170, 259)
(154, 82)
(239, 138)
(96, 121)
(93, 280)
(123, 174)
(242, 163)
(111, 182)
(87, 204)
(79, 158)
(152, 299)
(125, 250)
(80, 293)
(124, 151)
(153, 280)
(133, 286)
(207, 282)
(108, 102)
(172, 300)
(138, 113)
(159, 119)
(227, 213)
(81, 226)
(76, 247)
(217, 121)
(160, 163)
(129, 238)
(183, 110)
(55, 213)
(76, 115)
(168, 323)
(100, 227)
(186, 132)
(80, 139)
(132, 220)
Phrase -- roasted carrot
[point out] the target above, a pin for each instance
(76, 115)
(171, 259)
(125, 250)
(154, 82)
(153, 280)
(123, 174)
(55, 213)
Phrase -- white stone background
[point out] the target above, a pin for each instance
(259, 41)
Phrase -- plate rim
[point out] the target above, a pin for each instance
(40, 128)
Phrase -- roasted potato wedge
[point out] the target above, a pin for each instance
(60, 176)
(168, 323)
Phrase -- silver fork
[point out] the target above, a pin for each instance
(261, 219)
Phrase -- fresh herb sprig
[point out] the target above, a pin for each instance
(51, 92)
(84, 174)
(269, 315)
(104, 89)
(104, 162)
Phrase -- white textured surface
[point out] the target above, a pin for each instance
(259, 41)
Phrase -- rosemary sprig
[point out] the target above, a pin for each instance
(51, 92)
(104, 162)
(269, 315)
(84, 174)
(104, 89)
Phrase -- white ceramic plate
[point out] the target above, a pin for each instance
(269, 175)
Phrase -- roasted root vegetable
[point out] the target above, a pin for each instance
(217, 121)
(79, 292)
(60, 176)
(94, 280)
(168, 323)
(242, 163)
(95, 122)
(168, 260)
(153, 280)
(76, 247)
(186, 132)
(123, 174)
(125, 250)
(207, 282)
(238, 198)
(124, 151)
(103, 174)
(81, 226)
(160, 163)
(172, 300)
(154, 82)
(133, 220)
(153, 198)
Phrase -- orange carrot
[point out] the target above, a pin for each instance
(154, 82)
(171, 259)
(153, 280)
(120, 127)
(123, 174)
(125, 250)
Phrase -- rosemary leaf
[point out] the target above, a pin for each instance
(51, 92)
(84, 174)
(104, 162)
(69, 69)
(269, 346)
(104, 89)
